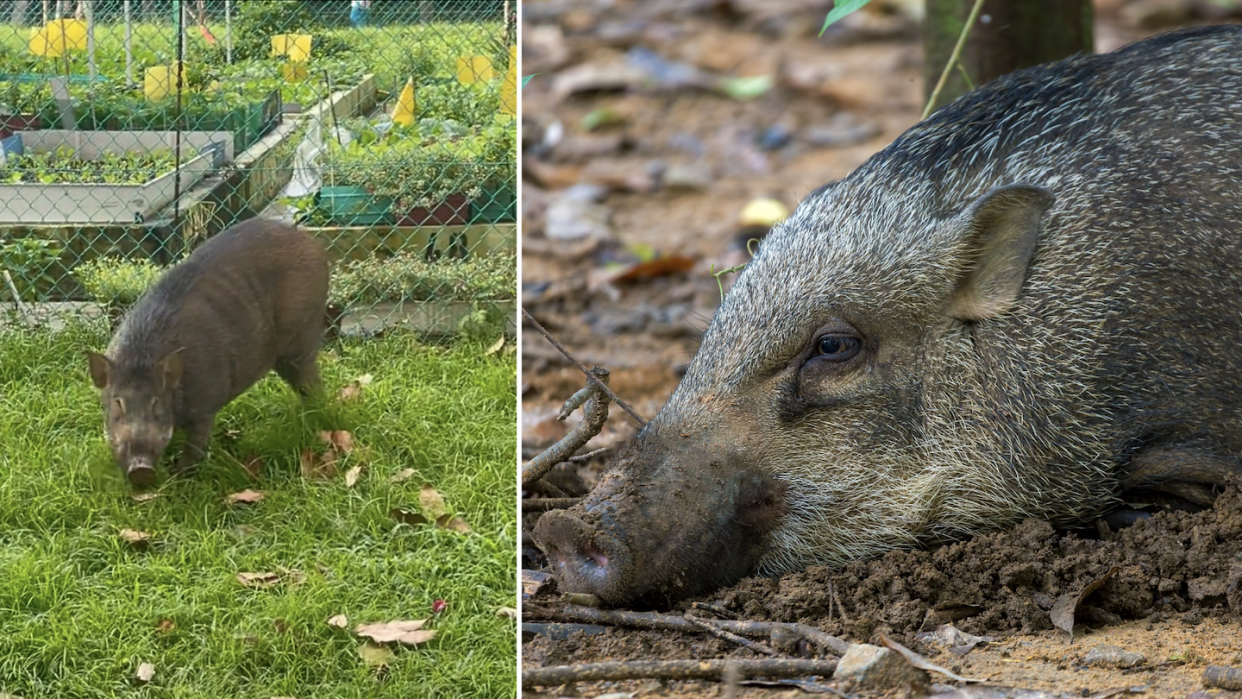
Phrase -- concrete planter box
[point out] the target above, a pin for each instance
(54, 204)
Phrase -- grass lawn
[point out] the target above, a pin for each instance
(81, 608)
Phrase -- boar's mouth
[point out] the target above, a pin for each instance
(653, 535)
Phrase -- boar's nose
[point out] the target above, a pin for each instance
(586, 559)
(140, 473)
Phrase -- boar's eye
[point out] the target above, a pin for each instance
(836, 348)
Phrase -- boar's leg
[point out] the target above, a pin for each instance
(1182, 476)
(197, 433)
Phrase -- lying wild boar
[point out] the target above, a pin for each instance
(247, 301)
(1028, 305)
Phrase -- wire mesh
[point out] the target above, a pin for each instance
(133, 130)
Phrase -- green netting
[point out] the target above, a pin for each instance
(116, 164)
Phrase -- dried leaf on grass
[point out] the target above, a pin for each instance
(317, 466)
(1066, 606)
(922, 663)
(352, 475)
(144, 497)
(404, 474)
(410, 633)
(146, 672)
(165, 625)
(246, 497)
(432, 502)
(406, 517)
(136, 538)
(507, 613)
(353, 390)
(496, 347)
(340, 441)
(258, 580)
(456, 524)
(339, 621)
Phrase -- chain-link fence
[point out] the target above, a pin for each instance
(132, 130)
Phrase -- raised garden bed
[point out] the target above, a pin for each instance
(58, 195)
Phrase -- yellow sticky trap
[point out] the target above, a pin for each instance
(294, 71)
(158, 81)
(40, 46)
(67, 33)
(475, 69)
(508, 91)
(296, 46)
(403, 113)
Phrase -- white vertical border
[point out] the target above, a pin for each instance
(517, 432)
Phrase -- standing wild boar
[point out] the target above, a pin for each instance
(247, 301)
(1028, 305)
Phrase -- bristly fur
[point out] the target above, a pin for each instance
(1114, 365)
(1126, 333)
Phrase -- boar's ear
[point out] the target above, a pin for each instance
(100, 367)
(1001, 230)
(170, 368)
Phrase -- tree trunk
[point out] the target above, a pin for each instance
(1008, 35)
(18, 18)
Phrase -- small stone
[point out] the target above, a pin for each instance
(879, 668)
(1112, 656)
(687, 177)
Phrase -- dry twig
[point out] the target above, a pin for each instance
(718, 632)
(825, 642)
(673, 670)
(582, 367)
(594, 414)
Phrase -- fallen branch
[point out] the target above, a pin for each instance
(594, 414)
(718, 632)
(582, 367)
(825, 642)
(673, 670)
(545, 504)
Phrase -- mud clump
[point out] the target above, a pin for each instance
(1007, 582)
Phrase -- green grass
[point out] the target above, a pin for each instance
(80, 609)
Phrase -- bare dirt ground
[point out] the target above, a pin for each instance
(667, 169)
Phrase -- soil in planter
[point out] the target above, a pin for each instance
(56, 168)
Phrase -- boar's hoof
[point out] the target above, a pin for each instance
(141, 475)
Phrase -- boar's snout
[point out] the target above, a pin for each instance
(587, 559)
(667, 521)
(140, 473)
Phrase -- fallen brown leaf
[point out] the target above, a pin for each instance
(1066, 606)
(374, 656)
(317, 466)
(432, 502)
(291, 576)
(403, 475)
(145, 497)
(258, 579)
(406, 517)
(165, 625)
(533, 582)
(351, 476)
(507, 612)
(245, 497)
(146, 672)
(410, 633)
(353, 390)
(456, 524)
(339, 621)
(499, 344)
(280, 625)
(135, 537)
(920, 662)
(659, 267)
(340, 441)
